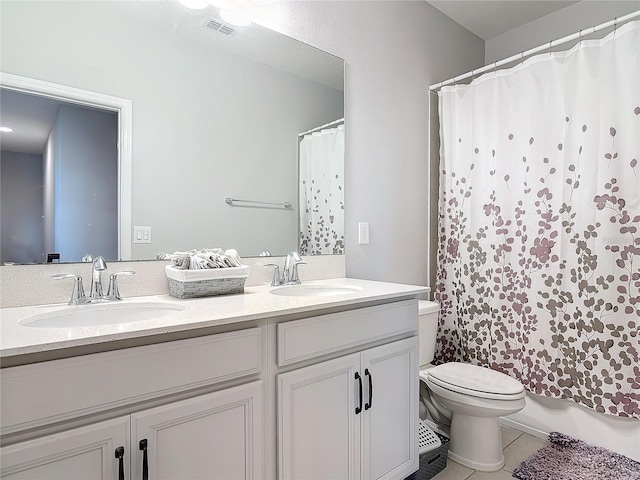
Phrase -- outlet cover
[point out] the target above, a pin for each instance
(141, 234)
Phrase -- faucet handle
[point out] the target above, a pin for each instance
(295, 279)
(113, 293)
(276, 274)
(78, 296)
(295, 256)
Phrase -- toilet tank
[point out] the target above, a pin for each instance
(428, 328)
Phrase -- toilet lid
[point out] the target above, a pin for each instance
(475, 378)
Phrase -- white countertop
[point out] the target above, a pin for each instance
(255, 303)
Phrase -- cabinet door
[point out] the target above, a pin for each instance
(389, 423)
(318, 435)
(86, 453)
(213, 436)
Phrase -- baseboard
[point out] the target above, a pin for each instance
(521, 427)
(542, 415)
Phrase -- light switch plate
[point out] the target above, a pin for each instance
(363, 233)
(141, 234)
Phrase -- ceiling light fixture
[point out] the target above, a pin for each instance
(6, 129)
(194, 4)
(235, 18)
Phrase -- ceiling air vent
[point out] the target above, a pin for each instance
(221, 27)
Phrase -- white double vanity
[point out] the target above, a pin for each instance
(249, 386)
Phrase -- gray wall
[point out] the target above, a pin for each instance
(567, 21)
(85, 186)
(21, 238)
(393, 51)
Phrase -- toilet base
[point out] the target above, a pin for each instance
(476, 442)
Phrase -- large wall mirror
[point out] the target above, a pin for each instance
(217, 112)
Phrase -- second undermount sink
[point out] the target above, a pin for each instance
(100, 314)
(315, 290)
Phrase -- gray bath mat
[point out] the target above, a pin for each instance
(566, 458)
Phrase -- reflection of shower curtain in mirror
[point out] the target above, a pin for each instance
(322, 192)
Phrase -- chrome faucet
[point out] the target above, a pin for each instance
(98, 266)
(113, 293)
(78, 297)
(289, 271)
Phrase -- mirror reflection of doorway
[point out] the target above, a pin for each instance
(59, 180)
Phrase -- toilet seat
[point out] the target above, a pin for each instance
(475, 381)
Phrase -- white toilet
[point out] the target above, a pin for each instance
(467, 398)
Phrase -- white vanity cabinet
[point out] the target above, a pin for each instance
(355, 416)
(319, 431)
(215, 434)
(298, 395)
(85, 453)
(218, 435)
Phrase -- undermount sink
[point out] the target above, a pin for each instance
(100, 314)
(306, 290)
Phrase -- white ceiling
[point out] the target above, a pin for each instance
(488, 19)
(31, 118)
(254, 42)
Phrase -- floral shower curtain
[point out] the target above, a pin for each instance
(539, 219)
(322, 192)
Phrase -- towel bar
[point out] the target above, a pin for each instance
(229, 201)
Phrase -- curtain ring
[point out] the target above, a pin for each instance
(615, 24)
(495, 67)
(550, 47)
(521, 57)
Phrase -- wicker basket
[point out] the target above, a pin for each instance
(433, 462)
(206, 283)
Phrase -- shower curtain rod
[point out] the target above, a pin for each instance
(541, 48)
(321, 127)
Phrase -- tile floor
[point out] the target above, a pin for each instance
(517, 447)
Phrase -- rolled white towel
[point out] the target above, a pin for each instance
(211, 251)
(199, 263)
(171, 256)
(220, 260)
(234, 257)
(182, 262)
(203, 258)
(186, 252)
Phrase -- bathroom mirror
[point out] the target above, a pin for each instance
(214, 115)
